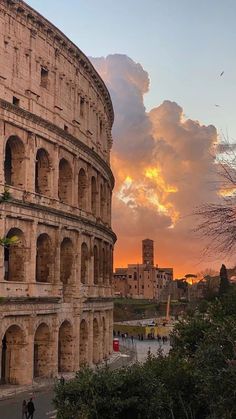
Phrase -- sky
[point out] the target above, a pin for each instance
(161, 61)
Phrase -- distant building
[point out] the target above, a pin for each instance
(148, 252)
(143, 280)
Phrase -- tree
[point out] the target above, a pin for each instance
(224, 282)
(217, 220)
(196, 380)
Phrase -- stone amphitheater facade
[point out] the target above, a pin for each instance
(56, 115)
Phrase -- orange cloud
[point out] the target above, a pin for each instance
(164, 167)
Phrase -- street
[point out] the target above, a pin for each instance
(44, 409)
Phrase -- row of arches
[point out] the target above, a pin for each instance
(91, 195)
(95, 261)
(16, 348)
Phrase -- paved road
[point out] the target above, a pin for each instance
(44, 409)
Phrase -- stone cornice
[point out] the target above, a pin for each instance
(66, 215)
(39, 23)
(59, 131)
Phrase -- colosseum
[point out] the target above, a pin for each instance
(56, 115)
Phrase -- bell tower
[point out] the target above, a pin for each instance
(148, 252)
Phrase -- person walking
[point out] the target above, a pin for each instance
(24, 410)
(31, 409)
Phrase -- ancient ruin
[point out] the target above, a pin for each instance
(56, 115)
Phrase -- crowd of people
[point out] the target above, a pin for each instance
(141, 337)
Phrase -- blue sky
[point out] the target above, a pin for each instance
(183, 45)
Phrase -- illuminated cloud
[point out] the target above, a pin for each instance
(164, 167)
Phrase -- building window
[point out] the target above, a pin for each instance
(16, 101)
(130, 276)
(44, 77)
(82, 106)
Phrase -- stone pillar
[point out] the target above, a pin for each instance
(89, 190)
(54, 348)
(32, 257)
(110, 331)
(55, 172)
(90, 337)
(77, 320)
(30, 162)
(29, 358)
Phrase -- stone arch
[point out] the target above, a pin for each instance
(82, 189)
(65, 182)
(14, 163)
(42, 173)
(14, 257)
(96, 264)
(96, 352)
(44, 258)
(42, 351)
(84, 263)
(65, 348)
(83, 343)
(13, 357)
(94, 196)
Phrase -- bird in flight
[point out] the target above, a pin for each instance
(221, 74)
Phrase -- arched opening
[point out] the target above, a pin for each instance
(14, 163)
(96, 352)
(14, 257)
(93, 196)
(104, 340)
(12, 362)
(102, 202)
(95, 265)
(42, 173)
(82, 190)
(44, 258)
(84, 263)
(65, 348)
(65, 182)
(83, 343)
(42, 351)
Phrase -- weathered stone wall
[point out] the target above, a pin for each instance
(55, 138)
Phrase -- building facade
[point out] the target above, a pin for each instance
(56, 115)
(143, 280)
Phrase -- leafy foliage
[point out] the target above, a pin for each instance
(197, 380)
(5, 196)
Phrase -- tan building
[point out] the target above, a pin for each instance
(56, 309)
(143, 280)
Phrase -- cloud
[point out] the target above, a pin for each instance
(164, 166)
